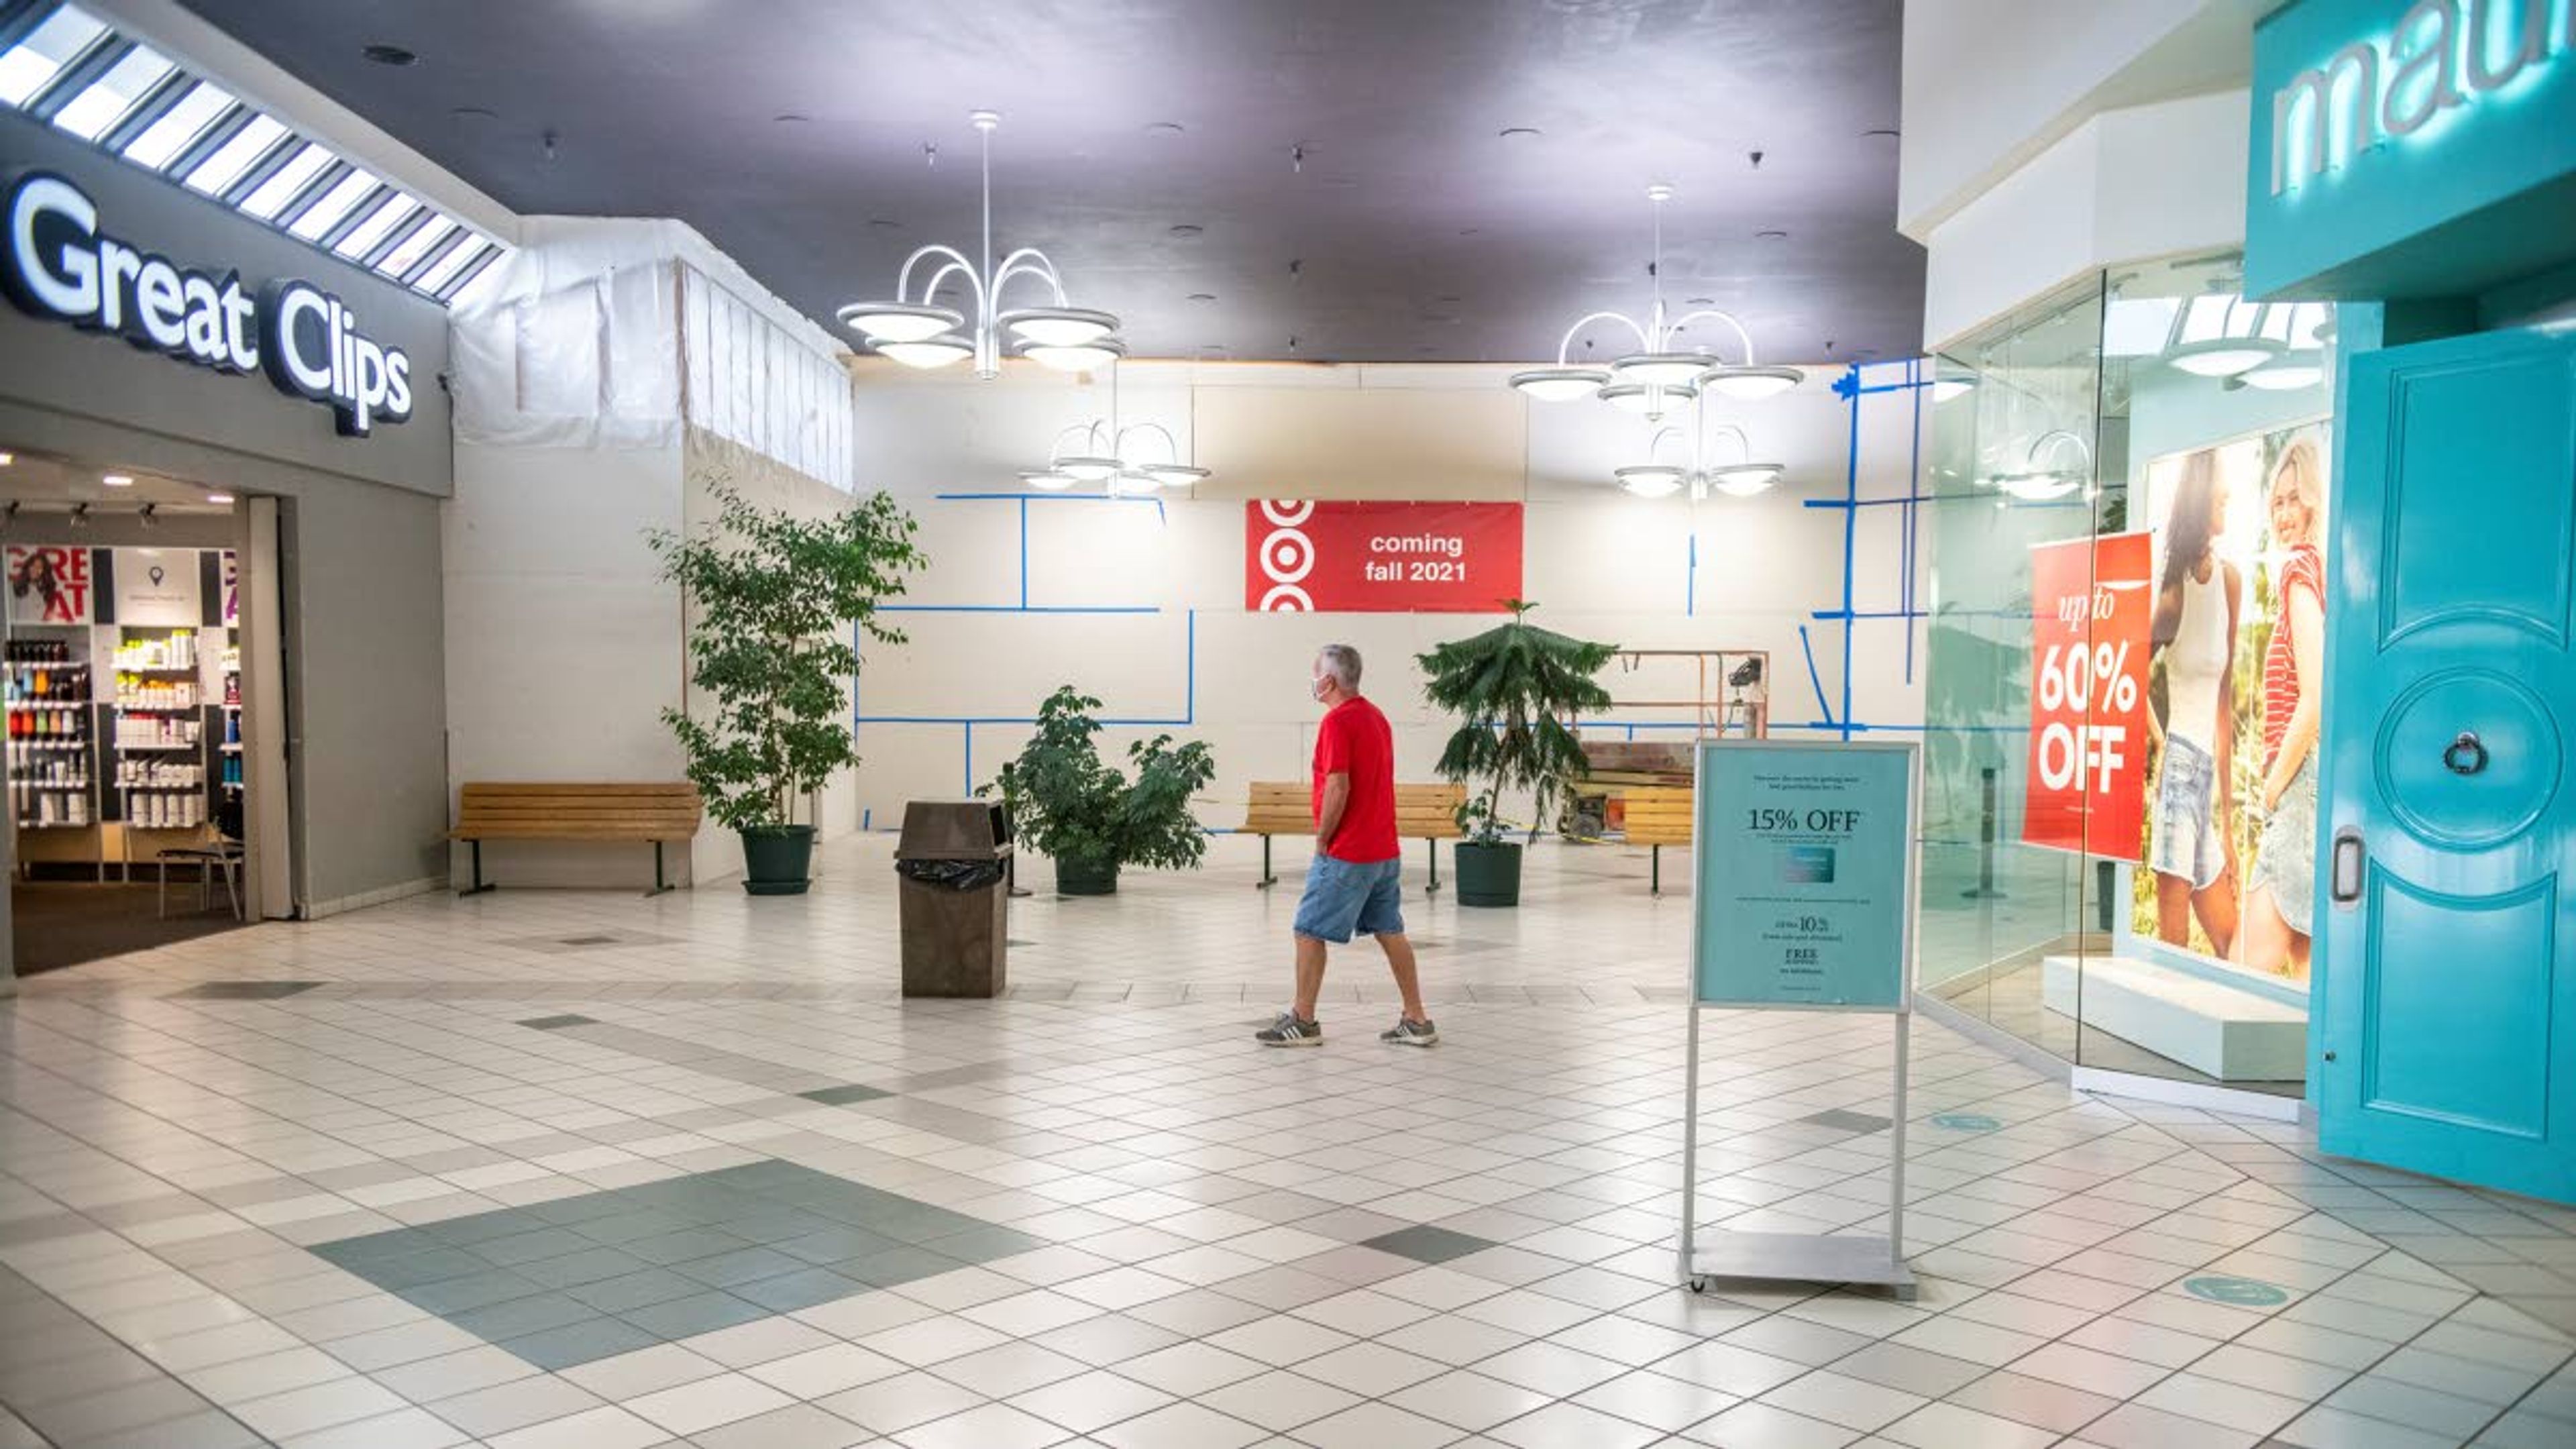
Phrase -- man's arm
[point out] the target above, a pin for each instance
(1337, 798)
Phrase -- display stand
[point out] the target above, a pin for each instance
(1805, 901)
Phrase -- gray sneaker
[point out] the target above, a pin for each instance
(1408, 1032)
(1289, 1031)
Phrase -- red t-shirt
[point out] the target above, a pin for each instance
(2305, 570)
(1357, 741)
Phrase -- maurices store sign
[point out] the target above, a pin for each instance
(2410, 149)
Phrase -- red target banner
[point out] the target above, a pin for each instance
(1380, 558)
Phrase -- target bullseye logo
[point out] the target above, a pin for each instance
(1287, 555)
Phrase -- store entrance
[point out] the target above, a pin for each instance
(131, 805)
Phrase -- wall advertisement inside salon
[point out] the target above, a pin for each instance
(2228, 846)
(49, 584)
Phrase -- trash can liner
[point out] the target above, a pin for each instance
(955, 875)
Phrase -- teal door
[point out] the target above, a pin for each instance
(2447, 829)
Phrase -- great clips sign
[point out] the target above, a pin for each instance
(62, 264)
(1302, 556)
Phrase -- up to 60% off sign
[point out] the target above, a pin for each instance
(2090, 606)
(2074, 742)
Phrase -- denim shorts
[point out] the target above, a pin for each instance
(2288, 863)
(2187, 841)
(1343, 896)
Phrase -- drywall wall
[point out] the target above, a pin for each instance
(1140, 602)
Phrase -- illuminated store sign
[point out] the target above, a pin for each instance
(60, 265)
(2440, 56)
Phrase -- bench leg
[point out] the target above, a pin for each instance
(1434, 887)
(1654, 870)
(659, 887)
(479, 886)
(1267, 879)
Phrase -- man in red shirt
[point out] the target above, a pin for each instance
(1354, 883)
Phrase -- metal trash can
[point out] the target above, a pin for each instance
(953, 862)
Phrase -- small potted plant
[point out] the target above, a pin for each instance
(1079, 811)
(774, 596)
(1512, 688)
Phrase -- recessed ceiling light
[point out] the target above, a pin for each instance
(117, 480)
(885, 223)
(1202, 296)
(7, 458)
(1770, 236)
(1165, 128)
(1451, 298)
(219, 498)
(1519, 133)
(389, 55)
(473, 113)
(1885, 132)
(1699, 301)
(791, 118)
(1469, 230)
(1188, 229)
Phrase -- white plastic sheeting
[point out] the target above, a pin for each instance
(614, 333)
(749, 381)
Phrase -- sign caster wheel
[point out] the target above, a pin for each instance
(1699, 1285)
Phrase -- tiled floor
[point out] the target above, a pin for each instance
(484, 1176)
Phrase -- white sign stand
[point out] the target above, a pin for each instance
(1806, 1257)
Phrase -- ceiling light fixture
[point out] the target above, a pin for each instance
(117, 480)
(2039, 483)
(918, 332)
(1121, 457)
(1656, 478)
(1661, 372)
(2220, 334)
(219, 498)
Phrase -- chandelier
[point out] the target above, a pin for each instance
(1655, 478)
(2041, 481)
(1104, 452)
(1659, 374)
(917, 331)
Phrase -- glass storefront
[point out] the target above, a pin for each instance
(2129, 485)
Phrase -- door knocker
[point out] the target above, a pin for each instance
(2466, 756)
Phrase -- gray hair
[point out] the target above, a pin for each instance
(1342, 662)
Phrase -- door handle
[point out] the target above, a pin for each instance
(2467, 754)
(2344, 885)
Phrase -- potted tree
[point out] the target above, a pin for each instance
(1079, 811)
(1512, 688)
(774, 596)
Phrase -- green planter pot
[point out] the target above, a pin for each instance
(777, 860)
(1488, 875)
(1086, 877)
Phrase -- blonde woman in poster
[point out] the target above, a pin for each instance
(2280, 905)
(2194, 631)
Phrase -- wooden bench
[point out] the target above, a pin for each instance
(1657, 816)
(555, 811)
(1428, 813)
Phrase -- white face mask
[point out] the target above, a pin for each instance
(1323, 685)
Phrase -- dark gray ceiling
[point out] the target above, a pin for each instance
(1414, 228)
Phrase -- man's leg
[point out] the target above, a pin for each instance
(1408, 981)
(1310, 975)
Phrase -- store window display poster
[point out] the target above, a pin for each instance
(2085, 775)
(2234, 676)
